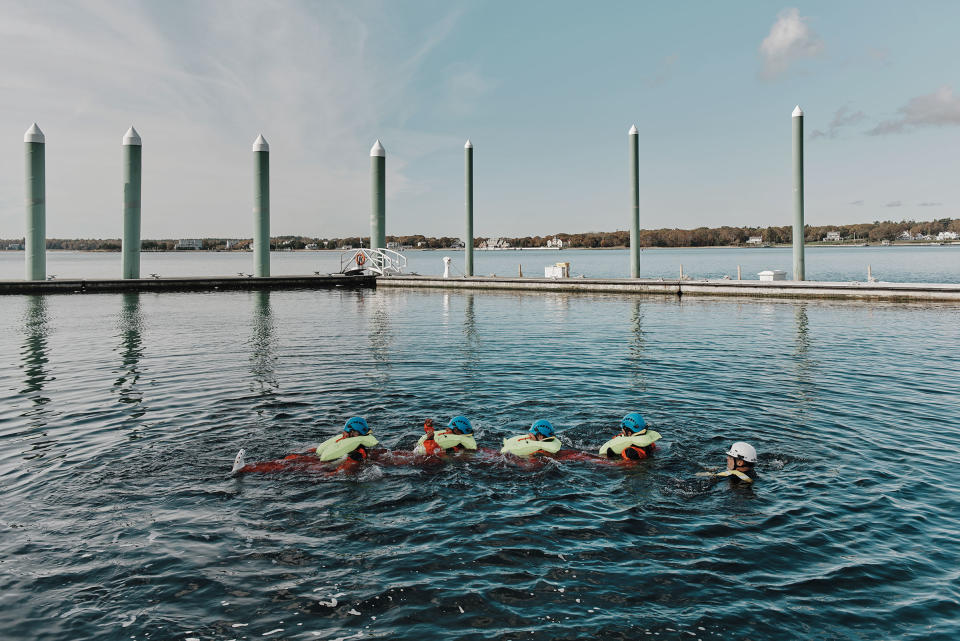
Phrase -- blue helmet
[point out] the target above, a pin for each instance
(543, 427)
(357, 423)
(461, 423)
(633, 422)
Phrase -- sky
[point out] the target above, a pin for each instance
(546, 92)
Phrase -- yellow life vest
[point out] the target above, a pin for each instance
(446, 440)
(740, 475)
(525, 445)
(337, 447)
(619, 443)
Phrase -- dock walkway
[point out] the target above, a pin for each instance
(743, 288)
(186, 283)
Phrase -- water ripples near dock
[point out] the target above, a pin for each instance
(120, 416)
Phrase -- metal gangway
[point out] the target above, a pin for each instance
(382, 262)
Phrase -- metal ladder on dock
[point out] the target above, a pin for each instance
(381, 262)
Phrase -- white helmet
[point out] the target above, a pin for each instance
(744, 451)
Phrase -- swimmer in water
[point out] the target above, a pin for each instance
(353, 443)
(741, 460)
(458, 437)
(634, 442)
(540, 439)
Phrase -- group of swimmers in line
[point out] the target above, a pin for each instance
(355, 444)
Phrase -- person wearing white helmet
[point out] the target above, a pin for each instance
(741, 459)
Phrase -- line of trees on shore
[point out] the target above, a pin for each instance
(699, 237)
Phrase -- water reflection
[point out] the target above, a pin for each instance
(36, 324)
(130, 327)
(34, 361)
(805, 365)
(263, 359)
(471, 344)
(637, 344)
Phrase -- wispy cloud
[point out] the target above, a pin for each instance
(200, 80)
(930, 204)
(894, 203)
(938, 109)
(856, 203)
(790, 39)
(663, 72)
(842, 118)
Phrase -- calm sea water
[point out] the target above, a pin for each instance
(121, 414)
(924, 264)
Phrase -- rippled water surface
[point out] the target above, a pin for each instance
(121, 415)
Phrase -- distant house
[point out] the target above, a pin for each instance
(394, 246)
(15, 246)
(495, 243)
(189, 243)
(311, 246)
(832, 237)
(555, 242)
(905, 235)
(947, 235)
(755, 240)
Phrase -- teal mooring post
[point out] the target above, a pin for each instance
(35, 239)
(635, 195)
(468, 203)
(798, 262)
(132, 172)
(378, 196)
(261, 207)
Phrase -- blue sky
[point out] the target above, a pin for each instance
(546, 91)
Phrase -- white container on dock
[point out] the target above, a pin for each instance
(557, 270)
(775, 274)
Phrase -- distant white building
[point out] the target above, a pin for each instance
(832, 237)
(755, 240)
(189, 243)
(947, 235)
(394, 246)
(495, 243)
(905, 235)
(555, 242)
(311, 246)
(15, 246)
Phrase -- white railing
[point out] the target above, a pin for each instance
(381, 262)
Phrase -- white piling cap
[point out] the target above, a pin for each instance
(132, 137)
(260, 144)
(798, 112)
(34, 134)
(469, 144)
(378, 150)
(633, 131)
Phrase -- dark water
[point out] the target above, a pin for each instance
(121, 414)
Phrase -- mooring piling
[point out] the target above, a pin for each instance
(634, 136)
(35, 238)
(798, 262)
(468, 205)
(132, 173)
(261, 207)
(378, 195)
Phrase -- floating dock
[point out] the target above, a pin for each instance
(743, 288)
(183, 284)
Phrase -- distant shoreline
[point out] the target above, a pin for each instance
(506, 249)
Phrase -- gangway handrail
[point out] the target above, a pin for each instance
(381, 262)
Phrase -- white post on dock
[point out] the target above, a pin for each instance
(798, 262)
(378, 196)
(446, 266)
(132, 174)
(35, 239)
(738, 272)
(261, 207)
(468, 204)
(634, 136)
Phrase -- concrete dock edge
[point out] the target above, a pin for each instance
(746, 289)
